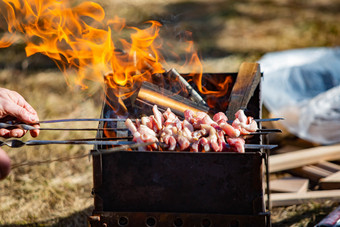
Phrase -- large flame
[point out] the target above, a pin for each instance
(80, 40)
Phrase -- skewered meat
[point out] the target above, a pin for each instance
(198, 132)
(243, 123)
(237, 144)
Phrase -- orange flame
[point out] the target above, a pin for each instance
(79, 40)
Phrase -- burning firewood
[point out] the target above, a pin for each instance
(192, 93)
(198, 132)
(151, 94)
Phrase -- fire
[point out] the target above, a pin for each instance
(81, 42)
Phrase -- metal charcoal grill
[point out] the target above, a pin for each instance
(156, 188)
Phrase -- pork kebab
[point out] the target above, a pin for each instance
(198, 132)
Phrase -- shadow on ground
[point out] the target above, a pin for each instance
(76, 219)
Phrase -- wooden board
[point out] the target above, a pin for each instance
(312, 172)
(247, 80)
(288, 199)
(289, 184)
(332, 167)
(331, 182)
(286, 148)
(303, 157)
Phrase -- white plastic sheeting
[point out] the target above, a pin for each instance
(303, 86)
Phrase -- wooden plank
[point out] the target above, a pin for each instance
(303, 157)
(247, 80)
(288, 199)
(311, 172)
(317, 172)
(332, 167)
(287, 149)
(289, 184)
(331, 182)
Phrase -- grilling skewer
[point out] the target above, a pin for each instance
(15, 143)
(268, 130)
(7, 124)
(30, 127)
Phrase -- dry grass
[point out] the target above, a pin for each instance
(226, 32)
(37, 193)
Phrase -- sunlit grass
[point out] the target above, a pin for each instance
(39, 192)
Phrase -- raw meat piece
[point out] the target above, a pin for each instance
(198, 132)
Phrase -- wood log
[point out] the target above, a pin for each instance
(247, 80)
(288, 199)
(304, 157)
(193, 94)
(154, 95)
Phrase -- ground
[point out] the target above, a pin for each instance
(48, 185)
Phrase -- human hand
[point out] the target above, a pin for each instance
(5, 164)
(13, 107)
